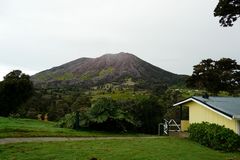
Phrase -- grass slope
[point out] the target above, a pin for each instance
(12, 127)
(134, 149)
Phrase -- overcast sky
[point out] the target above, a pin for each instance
(173, 35)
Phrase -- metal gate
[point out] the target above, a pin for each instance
(168, 126)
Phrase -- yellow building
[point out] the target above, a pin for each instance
(220, 110)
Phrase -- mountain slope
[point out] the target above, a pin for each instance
(107, 68)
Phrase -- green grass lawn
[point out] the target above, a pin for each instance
(134, 149)
(12, 127)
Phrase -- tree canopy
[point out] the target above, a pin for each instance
(142, 115)
(228, 11)
(108, 114)
(15, 89)
(215, 76)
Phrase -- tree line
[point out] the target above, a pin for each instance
(216, 75)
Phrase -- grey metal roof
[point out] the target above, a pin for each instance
(229, 106)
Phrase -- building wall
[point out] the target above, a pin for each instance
(199, 113)
(184, 125)
(238, 127)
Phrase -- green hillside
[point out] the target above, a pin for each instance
(16, 127)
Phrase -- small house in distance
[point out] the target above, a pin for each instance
(220, 110)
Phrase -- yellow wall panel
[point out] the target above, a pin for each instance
(199, 113)
(184, 125)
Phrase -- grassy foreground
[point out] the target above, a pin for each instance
(134, 149)
(12, 127)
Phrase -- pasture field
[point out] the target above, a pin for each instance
(132, 149)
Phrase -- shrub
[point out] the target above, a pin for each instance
(214, 136)
(68, 121)
(14, 115)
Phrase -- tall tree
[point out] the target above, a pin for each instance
(215, 76)
(107, 114)
(228, 11)
(15, 89)
(149, 112)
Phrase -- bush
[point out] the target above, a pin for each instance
(68, 121)
(214, 136)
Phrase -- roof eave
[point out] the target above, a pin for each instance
(183, 101)
(230, 117)
(237, 117)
